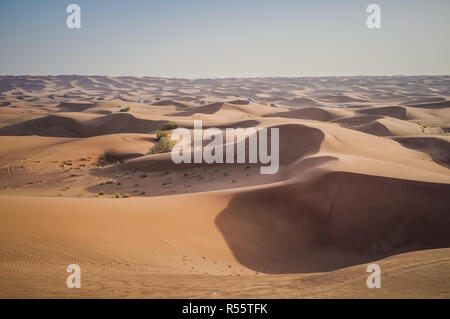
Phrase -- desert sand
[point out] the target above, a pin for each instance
(368, 183)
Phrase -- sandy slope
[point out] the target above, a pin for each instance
(146, 248)
(367, 183)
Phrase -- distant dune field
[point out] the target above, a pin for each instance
(367, 182)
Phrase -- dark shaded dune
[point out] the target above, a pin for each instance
(355, 121)
(301, 102)
(100, 112)
(114, 156)
(178, 105)
(398, 112)
(316, 114)
(214, 108)
(339, 99)
(114, 82)
(379, 125)
(64, 81)
(25, 83)
(204, 109)
(438, 149)
(74, 107)
(88, 84)
(296, 142)
(5, 103)
(284, 229)
(424, 100)
(52, 126)
(437, 105)
(239, 124)
(65, 126)
(374, 128)
(240, 102)
(6, 84)
(122, 123)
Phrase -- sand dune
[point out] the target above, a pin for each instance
(83, 125)
(363, 184)
(307, 114)
(433, 105)
(340, 99)
(437, 147)
(380, 125)
(391, 111)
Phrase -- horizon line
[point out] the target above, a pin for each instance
(224, 77)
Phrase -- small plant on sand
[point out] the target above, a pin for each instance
(125, 109)
(126, 195)
(169, 126)
(164, 145)
(161, 134)
(117, 195)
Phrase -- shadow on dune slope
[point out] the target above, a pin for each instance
(438, 149)
(336, 220)
(82, 125)
(316, 114)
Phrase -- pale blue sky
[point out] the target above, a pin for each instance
(224, 38)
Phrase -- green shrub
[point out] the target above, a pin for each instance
(125, 109)
(169, 126)
(164, 145)
(161, 134)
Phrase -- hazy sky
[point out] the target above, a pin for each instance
(225, 38)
